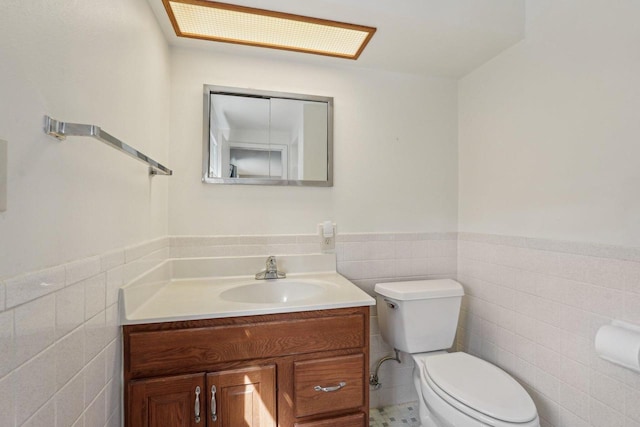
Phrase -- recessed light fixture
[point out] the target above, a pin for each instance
(208, 20)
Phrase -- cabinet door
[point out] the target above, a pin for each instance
(242, 397)
(177, 401)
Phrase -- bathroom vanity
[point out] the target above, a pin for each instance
(297, 359)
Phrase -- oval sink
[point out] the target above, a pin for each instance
(268, 291)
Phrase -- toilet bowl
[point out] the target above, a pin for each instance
(454, 389)
(460, 390)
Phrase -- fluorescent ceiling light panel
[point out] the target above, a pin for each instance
(228, 23)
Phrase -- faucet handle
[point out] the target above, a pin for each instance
(271, 270)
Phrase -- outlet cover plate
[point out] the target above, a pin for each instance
(327, 244)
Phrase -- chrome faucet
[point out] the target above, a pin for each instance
(271, 270)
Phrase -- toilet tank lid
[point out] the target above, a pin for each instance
(420, 289)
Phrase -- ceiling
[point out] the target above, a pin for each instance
(435, 37)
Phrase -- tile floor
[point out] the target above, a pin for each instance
(403, 415)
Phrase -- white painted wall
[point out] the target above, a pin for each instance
(104, 63)
(395, 151)
(549, 131)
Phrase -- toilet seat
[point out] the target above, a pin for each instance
(477, 388)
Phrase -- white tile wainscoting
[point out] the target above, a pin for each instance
(533, 307)
(60, 345)
(367, 259)
(60, 342)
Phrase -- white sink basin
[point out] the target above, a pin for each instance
(275, 291)
(183, 289)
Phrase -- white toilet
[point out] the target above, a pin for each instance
(456, 389)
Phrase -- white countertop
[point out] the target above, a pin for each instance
(186, 289)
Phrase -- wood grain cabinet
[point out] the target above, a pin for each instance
(174, 401)
(306, 369)
(243, 397)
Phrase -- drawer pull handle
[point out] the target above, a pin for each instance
(330, 389)
(197, 406)
(214, 410)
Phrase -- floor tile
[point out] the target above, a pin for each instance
(403, 415)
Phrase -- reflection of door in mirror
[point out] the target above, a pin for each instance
(258, 161)
(265, 138)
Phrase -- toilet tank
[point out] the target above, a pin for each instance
(419, 316)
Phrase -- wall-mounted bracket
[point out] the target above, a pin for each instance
(60, 130)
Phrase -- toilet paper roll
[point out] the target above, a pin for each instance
(619, 344)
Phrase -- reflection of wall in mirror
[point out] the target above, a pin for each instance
(215, 134)
(294, 163)
(314, 152)
(258, 160)
(256, 142)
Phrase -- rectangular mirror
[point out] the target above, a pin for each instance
(267, 138)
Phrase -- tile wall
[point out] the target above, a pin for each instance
(216, 246)
(60, 352)
(365, 259)
(60, 340)
(533, 307)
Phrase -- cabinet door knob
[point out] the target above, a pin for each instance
(330, 389)
(214, 415)
(197, 406)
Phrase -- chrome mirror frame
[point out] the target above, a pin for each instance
(206, 126)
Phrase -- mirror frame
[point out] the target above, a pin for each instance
(206, 125)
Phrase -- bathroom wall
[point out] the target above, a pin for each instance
(395, 194)
(74, 206)
(83, 62)
(533, 306)
(61, 343)
(395, 152)
(549, 129)
(548, 135)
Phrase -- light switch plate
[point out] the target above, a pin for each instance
(4, 154)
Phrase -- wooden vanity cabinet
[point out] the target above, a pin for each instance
(232, 398)
(305, 369)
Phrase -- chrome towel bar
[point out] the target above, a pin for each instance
(61, 130)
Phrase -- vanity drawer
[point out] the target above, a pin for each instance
(328, 385)
(197, 348)
(356, 420)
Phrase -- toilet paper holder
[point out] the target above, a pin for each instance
(619, 343)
